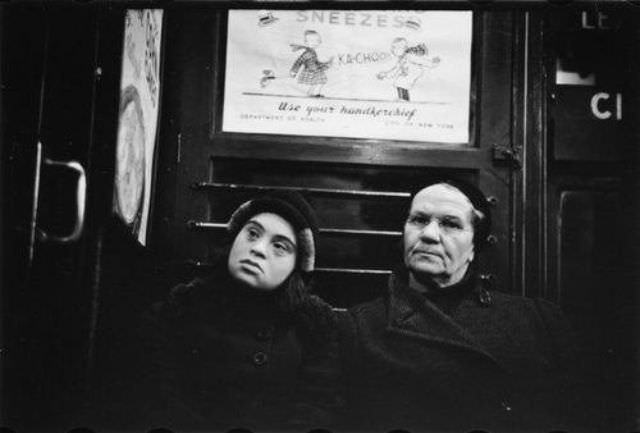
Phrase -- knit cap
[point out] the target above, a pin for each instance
(291, 206)
(482, 227)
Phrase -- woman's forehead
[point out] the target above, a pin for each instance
(274, 224)
(442, 198)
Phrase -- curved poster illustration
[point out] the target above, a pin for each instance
(139, 107)
(399, 75)
(130, 159)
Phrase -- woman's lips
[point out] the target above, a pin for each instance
(426, 253)
(251, 264)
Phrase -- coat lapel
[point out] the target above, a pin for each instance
(412, 315)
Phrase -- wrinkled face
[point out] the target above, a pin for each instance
(438, 235)
(263, 254)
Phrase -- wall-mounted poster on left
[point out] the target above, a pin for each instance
(138, 119)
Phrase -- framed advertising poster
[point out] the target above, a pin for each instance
(137, 125)
(393, 75)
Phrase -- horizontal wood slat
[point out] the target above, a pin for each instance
(359, 271)
(322, 191)
(206, 226)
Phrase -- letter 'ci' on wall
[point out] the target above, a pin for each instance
(592, 56)
(604, 110)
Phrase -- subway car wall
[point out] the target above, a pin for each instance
(553, 108)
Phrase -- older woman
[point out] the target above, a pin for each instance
(440, 352)
(248, 346)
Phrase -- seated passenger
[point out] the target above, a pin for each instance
(439, 352)
(248, 346)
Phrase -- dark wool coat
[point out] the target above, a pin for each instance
(223, 357)
(452, 363)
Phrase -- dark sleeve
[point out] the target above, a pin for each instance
(318, 396)
(576, 399)
(161, 336)
(350, 360)
(562, 340)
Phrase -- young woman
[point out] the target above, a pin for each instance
(248, 346)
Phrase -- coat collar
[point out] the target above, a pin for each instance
(412, 314)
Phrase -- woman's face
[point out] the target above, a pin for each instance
(263, 254)
(438, 235)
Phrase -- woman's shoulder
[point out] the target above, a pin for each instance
(543, 313)
(316, 321)
(313, 309)
(180, 298)
(189, 291)
(316, 303)
(375, 306)
(535, 305)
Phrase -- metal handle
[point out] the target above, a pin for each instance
(81, 198)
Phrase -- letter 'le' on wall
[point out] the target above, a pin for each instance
(587, 98)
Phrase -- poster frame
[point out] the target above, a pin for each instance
(340, 149)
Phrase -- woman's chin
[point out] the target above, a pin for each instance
(248, 279)
(252, 281)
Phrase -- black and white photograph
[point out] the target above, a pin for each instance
(327, 216)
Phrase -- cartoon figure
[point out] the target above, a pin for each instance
(308, 69)
(410, 65)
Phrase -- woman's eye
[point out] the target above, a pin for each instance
(281, 247)
(418, 220)
(451, 224)
(253, 234)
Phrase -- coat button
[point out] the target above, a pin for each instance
(506, 406)
(260, 358)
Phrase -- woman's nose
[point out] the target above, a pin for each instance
(431, 231)
(258, 248)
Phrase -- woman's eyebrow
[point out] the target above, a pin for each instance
(452, 217)
(284, 238)
(256, 223)
(419, 212)
(446, 215)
